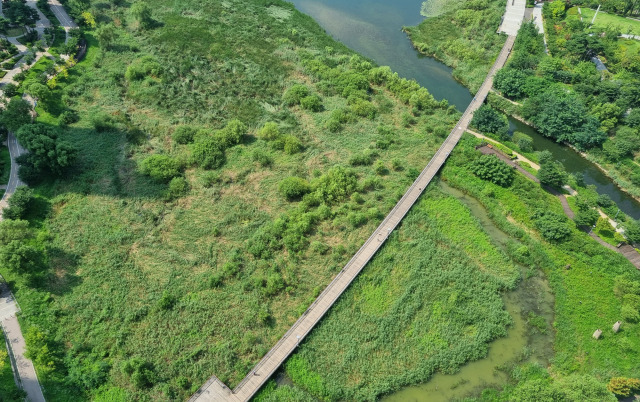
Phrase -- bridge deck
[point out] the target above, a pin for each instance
(214, 390)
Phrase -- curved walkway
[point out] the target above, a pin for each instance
(215, 390)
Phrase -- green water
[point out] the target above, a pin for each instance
(523, 342)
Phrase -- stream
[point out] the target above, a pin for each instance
(522, 344)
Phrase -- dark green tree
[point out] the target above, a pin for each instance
(489, 120)
(552, 226)
(551, 172)
(18, 203)
(48, 152)
(491, 168)
(17, 114)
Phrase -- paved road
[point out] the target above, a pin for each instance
(215, 390)
(43, 22)
(513, 17)
(62, 16)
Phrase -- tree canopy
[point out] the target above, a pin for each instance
(48, 152)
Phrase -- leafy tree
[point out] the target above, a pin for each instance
(563, 117)
(18, 203)
(17, 114)
(586, 217)
(632, 119)
(106, 35)
(511, 82)
(312, 103)
(489, 120)
(10, 90)
(632, 230)
(552, 174)
(141, 12)
(293, 188)
(491, 168)
(160, 167)
(19, 12)
(552, 226)
(47, 150)
(38, 91)
(15, 251)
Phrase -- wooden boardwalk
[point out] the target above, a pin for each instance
(215, 390)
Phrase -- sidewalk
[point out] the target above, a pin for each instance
(513, 17)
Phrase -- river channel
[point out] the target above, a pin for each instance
(373, 29)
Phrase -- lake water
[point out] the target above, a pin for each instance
(373, 29)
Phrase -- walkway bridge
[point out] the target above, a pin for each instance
(215, 390)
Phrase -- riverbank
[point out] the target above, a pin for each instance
(452, 38)
(497, 101)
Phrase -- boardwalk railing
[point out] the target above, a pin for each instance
(215, 390)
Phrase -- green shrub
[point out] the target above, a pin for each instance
(184, 134)
(292, 145)
(586, 217)
(335, 185)
(357, 219)
(293, 188)
(141, 68)
(160, 167)
(312, 103)
(523, 141)
(208, 153)
(232, 133)
(491, 168)
(269, 132)
(294, 95)
(178, 187)
(262, 157)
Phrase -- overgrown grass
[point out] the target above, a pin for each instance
(432, 291)
(463, 38)
(173, 289)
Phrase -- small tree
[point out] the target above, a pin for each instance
(18, 203)
(489, 120)
(141, 12)
(552, 226)
(16, 115)
(208, 153)
(184, 134)
(160, 167)
(106, 35)
(491, 168)
(551, 172)
(293, 188)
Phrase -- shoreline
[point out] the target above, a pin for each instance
(581, 153)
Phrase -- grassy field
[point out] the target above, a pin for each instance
(585, 291)
(463, 38)
(440, 300)
(145, 293)
(586, 286)
(626, 25)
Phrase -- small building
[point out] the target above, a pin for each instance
(616, 326)
(596, 335)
